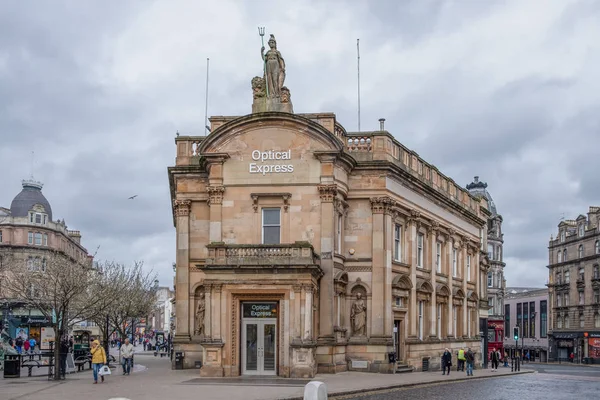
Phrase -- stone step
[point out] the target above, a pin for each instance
(402, 368)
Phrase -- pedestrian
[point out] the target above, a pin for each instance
(572, 357)
(461, 360)
(26, 346)
(32, 344)
(505, 359)
(470, 359)
(19, 344)
(495, 357)
(127, 356)
(64, 350)
(98, 359)
(446, 361)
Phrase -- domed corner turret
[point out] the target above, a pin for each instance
(479, 189)
(27, 200)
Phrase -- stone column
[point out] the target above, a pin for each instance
(216, 307)
(432, 232)
(388, 300)
(413, 221)
(215, 201)
(208, 298)
(379, 207)
(308, 314)
(182, 276)
(297, 313)
(450, 246)
(463, 269)
(326, 317)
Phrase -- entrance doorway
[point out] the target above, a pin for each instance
(398, 339)
(259, 339)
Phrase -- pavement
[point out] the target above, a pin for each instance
(154, 379)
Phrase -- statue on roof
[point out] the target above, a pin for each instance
(269, 94)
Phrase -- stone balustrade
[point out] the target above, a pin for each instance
(299, 253)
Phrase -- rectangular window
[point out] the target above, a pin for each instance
(30, 264)
(38, 239)
(468, 267)
(532, 319)
(0, 236)
(490, 280)
(45, 240)
(439, 321)
(490, 251)
(421, 320)
(581, 298)
(30, 238)
(454, 321)
(596, 296)
(454, 266)
(558, 300)
(438, 257)
(469, 322)
(581, 320)
(543, 318)
(398, 301)
(420, 250)
(507, 316)
(567, 276)
(339, 234)
(566, 300)
(45, 219)
(271, 221)
(397, 242)
(519, 316)
(38, 218)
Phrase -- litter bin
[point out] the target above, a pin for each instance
(179, 359)
(392, 357)
(12, 366)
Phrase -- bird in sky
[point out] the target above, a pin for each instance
(133, 197)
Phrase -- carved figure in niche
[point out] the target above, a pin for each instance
(258, 87)
(285, 95)
(274, 69)
(200, 316)
(358, 316)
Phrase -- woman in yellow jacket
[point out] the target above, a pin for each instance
(98, 359)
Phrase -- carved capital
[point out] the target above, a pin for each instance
(327, 192)
(414, 217)
(433, 228)
(215, 194)
(297, 288)
(308, 288)
(451, 232)
(218, 287)
(381, 205)
(182, 207)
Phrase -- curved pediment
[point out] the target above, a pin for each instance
(402, 282)
(458, 293)
(442, 290)
(424, 286)
(271, 124)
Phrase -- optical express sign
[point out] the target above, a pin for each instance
(264, 162)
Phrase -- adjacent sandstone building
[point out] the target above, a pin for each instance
(574, 289)
(303, 248)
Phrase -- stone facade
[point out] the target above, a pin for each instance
(360, 247)
(574, 287)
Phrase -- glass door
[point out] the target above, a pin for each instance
(259, 347)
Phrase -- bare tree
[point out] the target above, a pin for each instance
(63, 289)
(134, 299)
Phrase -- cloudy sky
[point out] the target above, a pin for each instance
(507, 90)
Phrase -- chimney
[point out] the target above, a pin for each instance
(476, 179)
(381, 122)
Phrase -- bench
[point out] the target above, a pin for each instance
(30, 364)
(80, 362)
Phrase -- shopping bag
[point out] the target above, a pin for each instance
(104, 371)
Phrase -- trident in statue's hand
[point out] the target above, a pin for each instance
(261, 32)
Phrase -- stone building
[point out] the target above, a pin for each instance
(527, 308)
(29, 234)
(496, 283)
(304, 248)
(574, 288)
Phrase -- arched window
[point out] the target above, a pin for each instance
(580, 251)
(559, 256)
(565, 255)
(596, 272)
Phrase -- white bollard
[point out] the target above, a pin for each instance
(315, 390)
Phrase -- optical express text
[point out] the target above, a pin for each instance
(262, 156)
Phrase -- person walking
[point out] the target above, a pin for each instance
(98, 359)
(461, 360)
(495, 357)
(32, 344)
(446, 361)
(127, 356)
(19, 344)
(470, 359)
